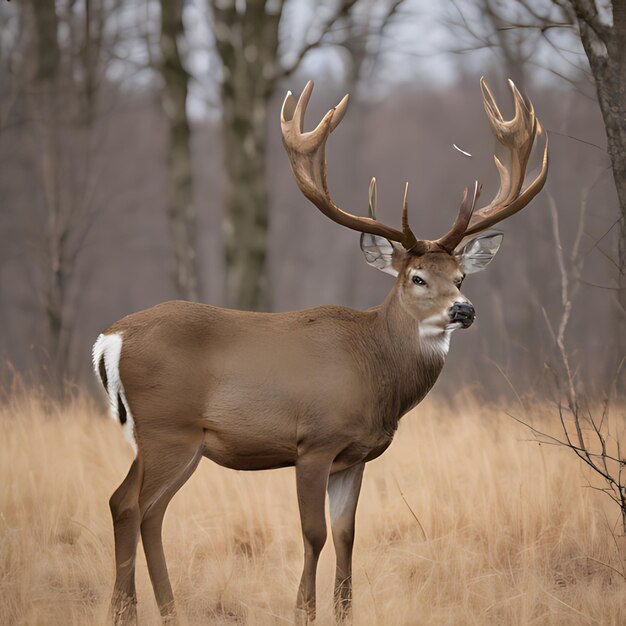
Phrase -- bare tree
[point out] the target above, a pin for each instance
(486, 24)
(56, 263)
(604, 44)
(248, 42)
(59, 110)
(10, 41)
(363, 38)
(90, 48)
(585, 427)
(180, 208)
(48, 53)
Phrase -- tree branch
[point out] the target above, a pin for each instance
(342, 10)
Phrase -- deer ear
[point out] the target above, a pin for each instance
(478, 252)
(381, 253)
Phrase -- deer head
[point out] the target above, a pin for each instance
(428, 273)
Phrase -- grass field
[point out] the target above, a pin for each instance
(511, 533)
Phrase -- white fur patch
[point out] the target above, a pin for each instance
(435, 331)
(341, 490)
(110, 346)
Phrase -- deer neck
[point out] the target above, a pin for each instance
(409, 362)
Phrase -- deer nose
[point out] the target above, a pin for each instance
(462, 312)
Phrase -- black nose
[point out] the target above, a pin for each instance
(463, 313)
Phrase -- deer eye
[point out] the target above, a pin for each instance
(418, 280)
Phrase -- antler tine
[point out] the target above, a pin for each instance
(373, 199)
(405, 210)
(515, 138)
(306, 152)
(453, 237)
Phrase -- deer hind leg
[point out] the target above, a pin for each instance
(343, 495)
(168, 466)
(124, 504)
(311, 481)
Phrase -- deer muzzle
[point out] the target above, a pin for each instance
(462, 313)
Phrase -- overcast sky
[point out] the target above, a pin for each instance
(420, 46)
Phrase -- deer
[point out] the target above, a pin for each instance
(321, 389)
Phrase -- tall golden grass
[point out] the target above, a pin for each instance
(462, 521)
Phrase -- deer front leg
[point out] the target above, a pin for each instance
(311, 481)
(343, 495)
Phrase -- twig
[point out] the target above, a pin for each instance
(369, 582)
(412, 511)
(569, 606)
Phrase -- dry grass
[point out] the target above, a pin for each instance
(513, 536)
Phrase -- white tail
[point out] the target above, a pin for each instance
(106, 355)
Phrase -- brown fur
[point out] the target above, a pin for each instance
(321, 389)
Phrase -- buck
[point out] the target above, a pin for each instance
(321, 389)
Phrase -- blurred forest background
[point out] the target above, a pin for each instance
(141, 160)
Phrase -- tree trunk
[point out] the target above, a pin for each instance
(605, 47)
(90, 52)
(47, 103)
(180, 209)
(62, 120)
(246, 39)
(48, 54)
(46, 108)
(613, 105)
(246, 219)
(55, 301)
(247, 42)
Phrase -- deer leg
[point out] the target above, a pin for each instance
(167, 470)
(343, 495)
(124, 504)
(311, 480)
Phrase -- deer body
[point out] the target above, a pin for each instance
(233, 376)
(321, 389)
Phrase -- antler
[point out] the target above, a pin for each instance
(459, 229)
(516, 138)
(306, 151)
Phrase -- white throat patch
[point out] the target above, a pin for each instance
(435, 331)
